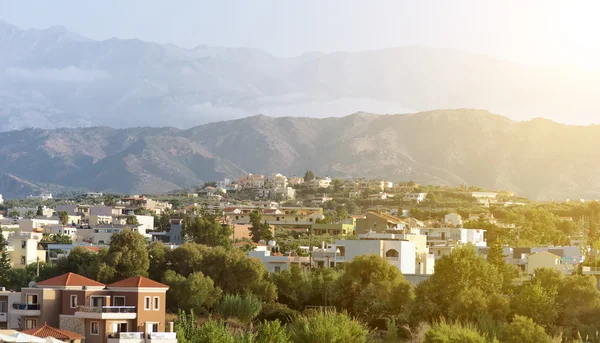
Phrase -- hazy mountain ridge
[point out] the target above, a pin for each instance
(539, 158)
(55, 78)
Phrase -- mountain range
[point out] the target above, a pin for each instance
(539, 158)
(55, 78)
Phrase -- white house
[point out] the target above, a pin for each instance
(453, 219)
(401, 253)
(418, 197)
(451, 236)
(1, 199)
(42, 196)
(378, 196)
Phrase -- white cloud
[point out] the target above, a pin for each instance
(68, 74)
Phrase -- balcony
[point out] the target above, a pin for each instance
(393, 259)
(29, 310)
(106, 312)
(126, 337)
(138, 337)
(586, 270)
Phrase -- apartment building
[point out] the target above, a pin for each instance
(135, 202)
(131, 309)
(282, 216)
(24, 249)
(7, 319)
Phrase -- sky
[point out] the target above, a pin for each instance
(534, 33)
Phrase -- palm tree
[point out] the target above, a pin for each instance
(63, 217)
(29, 214)
(14, 214)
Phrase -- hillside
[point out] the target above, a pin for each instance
(55, 78)
(538, 158)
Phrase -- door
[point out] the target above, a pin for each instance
(97, 301)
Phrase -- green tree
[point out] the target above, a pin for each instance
(259, 230)
(213, 332)
(372, 289)
(245, 308)
(236, 273)
(63, 217)
(196, 292)
(57, 238)
(5, 265)
(131, 220)
(536, 302)
(127, 256)
(40, 211)
(523, 330)
(29, 214)
(457, 277)
(81, 261)
(14, 214)
(205, 229)
(110, 200)
(328, 327)
(337, 185)
(157, 255)
(309, 176)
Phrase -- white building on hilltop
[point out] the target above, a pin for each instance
(1, 199)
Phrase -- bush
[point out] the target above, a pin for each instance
(454, 333)
(272, 332)
(327, 327)
(523, 330)
(245, 308)
(212, 332)
(277, 311)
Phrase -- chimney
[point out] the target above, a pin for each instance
(171, 329)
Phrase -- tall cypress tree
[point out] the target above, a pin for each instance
(5, 265)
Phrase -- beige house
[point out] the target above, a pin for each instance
(543, 259)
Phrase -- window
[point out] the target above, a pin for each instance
(277, 269)
(156, 303)
(147, 303)
(94, 328)
(32, 299)
(119, 301)
(23, 244)
(30, 323)
(3, 307)
(22, 259)
(73, 301)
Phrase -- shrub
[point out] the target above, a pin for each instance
(328, 327)
(213, 332)
(453, 333)
(272, 332)
(245, 308)
(523, 330)
(277, 311)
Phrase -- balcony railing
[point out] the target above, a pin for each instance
(127, 335)
(393, 258)
(106, 309)
(163, 335)
(26, 306)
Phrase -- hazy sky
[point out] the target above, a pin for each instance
(538, 33)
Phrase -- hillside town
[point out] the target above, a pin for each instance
(305, 224)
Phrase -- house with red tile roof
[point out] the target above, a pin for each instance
(49, 331)
(133, 308)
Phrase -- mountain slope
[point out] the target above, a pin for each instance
(538, 158)
(55, 78)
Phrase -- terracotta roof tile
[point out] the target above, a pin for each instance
(138, 281)
(69, 279)
(49, 331)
